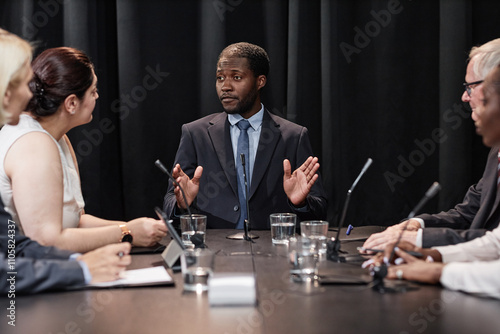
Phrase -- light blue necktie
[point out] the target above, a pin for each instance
(243, 147)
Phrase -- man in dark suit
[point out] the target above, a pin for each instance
(35, 268)
(208, 162)
(480, 210)
(472, 266)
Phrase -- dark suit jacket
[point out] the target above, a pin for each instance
(37, 267)
(478, 213)
(206, 142)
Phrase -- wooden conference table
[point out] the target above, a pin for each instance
(283, 306)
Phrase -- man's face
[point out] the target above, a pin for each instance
(487, 119)
(237, 87)
(476, 96)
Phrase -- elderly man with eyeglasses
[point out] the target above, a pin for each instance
(480, 210)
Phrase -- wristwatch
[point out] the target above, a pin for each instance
(126, 235)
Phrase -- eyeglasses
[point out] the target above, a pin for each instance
(468, 88)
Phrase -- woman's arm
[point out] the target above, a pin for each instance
(34, 166)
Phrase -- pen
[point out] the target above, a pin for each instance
(349, 229)
(412, 253)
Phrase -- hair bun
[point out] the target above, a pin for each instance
(41, 100)
(39, 91)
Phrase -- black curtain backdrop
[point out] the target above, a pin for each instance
(369, 78)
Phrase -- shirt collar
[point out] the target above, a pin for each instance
(255, 120)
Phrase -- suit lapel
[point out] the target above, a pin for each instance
(221, 140)
(493, 194)
(269, 137)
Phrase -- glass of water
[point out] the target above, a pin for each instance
(316, 229)
(197, 266)
(303, 258)
(193, 226)
(282, 227)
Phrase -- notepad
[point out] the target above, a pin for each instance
(139, 277)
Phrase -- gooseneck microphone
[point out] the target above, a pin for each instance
(333, 245)
(430, 193)
(196, 238)
(164, 170)
(380, 272)
(246, 225)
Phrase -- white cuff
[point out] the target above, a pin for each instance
(418, 241)
(86, 272)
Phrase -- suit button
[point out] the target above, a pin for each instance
(236, 208)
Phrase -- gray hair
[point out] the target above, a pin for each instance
(487, 56)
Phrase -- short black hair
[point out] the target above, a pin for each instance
(258, 59)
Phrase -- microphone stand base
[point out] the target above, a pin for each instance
(379, 273)
(400, 287)
(333, 251)
(241, 236)
(336, 258)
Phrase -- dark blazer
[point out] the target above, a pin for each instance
(37, 267)
(206, 142)
(479, 212)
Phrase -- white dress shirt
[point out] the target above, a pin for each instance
(253, 136)
(473, 266)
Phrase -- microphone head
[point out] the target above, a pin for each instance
(161, 166)
(165, 170)
(433, 190)
(363, 171)
(368, 163)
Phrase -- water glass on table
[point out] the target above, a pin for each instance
(282, 227)
(197, 267)
(303, 258)
(193, 226)
(316, 229)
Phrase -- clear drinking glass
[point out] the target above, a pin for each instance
(197, 266)
(282, 227)
(303, 258)
(316, 229)
(193, 225)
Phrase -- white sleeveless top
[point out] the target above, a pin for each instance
(73, 199)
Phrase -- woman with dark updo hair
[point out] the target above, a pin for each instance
(44, 195)
(59, 73)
